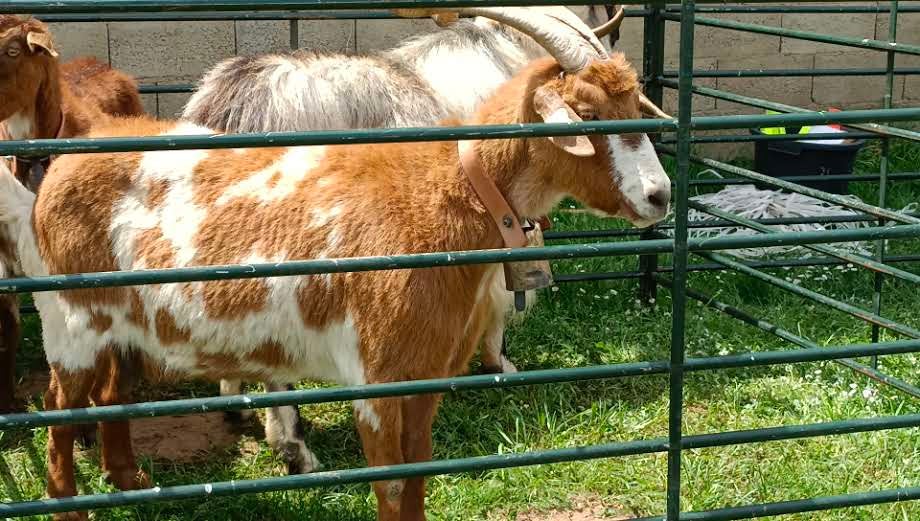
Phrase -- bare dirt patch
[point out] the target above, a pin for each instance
(583, 509)
(182, 438)
(179, 439)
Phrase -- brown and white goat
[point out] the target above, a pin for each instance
(105, 212)
(39, 99)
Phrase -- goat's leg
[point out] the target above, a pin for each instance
(114, 379)
(494, 359)
(66, 390)
(230, 388)
(9, 343)
(380, 425)
(284, 432)
(418, 416)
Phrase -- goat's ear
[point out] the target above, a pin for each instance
(41, 40)
(553, 109)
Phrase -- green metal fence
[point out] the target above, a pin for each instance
(677, 140)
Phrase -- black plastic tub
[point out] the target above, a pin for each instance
(793, 158)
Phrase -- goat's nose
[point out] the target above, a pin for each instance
(659, 196)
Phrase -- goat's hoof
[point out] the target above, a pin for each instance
(300, 459)
(71, 516)
(12, 406)
(239, 417)
(86, 435)
(489, 369)
(507, 366)
(130, 478)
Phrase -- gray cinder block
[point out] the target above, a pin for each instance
(375, 35)
(791, 90)
(155, 50)
(848, 91)
(73, 40)
(860, 25)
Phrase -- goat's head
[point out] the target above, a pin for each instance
(25, 47)
(615, 175)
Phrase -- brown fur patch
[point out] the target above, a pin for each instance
(273, 180)
(270, 354)
(167, 331)
(212, 177)
(154, 250)
(226, 365)
(319, 303)
(137, 315)
(156, 193)
(75, 226)
(100, 322)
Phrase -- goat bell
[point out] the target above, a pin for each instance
(528, 275)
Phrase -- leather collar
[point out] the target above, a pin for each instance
(505, 219)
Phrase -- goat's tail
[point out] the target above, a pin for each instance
(16, 203)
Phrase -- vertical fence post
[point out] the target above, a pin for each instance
(884, 166)
(653, 70)
(679, 279)
(294, 33)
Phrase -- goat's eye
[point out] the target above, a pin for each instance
(13, 52)
(589, 116)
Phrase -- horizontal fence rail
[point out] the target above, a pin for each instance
(460, 383)
(429, 260)
(103, 6)
(45, 147)
(861, 43)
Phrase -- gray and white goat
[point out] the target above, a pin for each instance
(425, 79)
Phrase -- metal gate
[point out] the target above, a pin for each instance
(651, 244)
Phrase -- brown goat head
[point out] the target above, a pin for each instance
(615, 175)
(26, 47)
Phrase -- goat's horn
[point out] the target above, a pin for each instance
(612, 25)
(651, 109)
(560, 31)
(442, 18)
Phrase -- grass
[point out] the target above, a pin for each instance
(598, 323)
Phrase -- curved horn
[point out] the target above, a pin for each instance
(651, 109)
(557, 29)
(612, 25)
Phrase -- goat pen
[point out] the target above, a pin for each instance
(890, 225)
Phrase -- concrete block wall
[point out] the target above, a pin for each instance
(175, 52)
